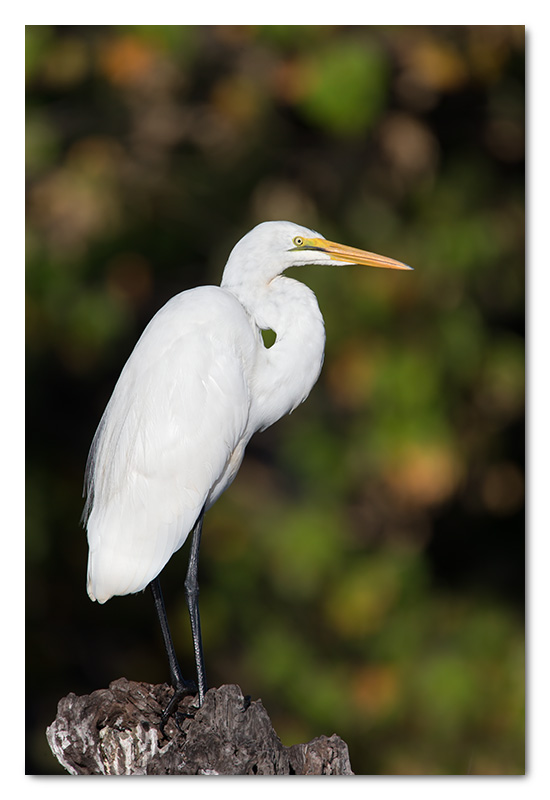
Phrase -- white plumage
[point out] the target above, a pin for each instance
(197, 386)
(178, 412)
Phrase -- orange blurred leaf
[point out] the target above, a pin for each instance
(126, 59)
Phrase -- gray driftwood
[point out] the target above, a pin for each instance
(115, 731)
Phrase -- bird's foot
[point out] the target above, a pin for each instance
(181, 689)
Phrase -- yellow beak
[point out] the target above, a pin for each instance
(352, 255)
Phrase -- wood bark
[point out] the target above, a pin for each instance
(115, 731)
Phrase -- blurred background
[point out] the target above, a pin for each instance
(364, 574)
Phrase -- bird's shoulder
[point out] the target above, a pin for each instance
(200, 319)
(201, 305)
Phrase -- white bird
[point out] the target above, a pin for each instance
(198, 384)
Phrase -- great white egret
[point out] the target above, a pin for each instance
(198, 384)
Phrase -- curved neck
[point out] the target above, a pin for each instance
(286, 372)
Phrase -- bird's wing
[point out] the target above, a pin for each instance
(176, 417)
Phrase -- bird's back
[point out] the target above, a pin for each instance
(171, 437)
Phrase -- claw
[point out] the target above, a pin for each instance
(182, 689)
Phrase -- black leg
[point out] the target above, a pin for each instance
(192, 593)
(175, 672)
(180, 685)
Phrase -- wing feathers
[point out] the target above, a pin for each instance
(178, 413)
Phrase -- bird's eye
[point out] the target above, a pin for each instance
(298, 241)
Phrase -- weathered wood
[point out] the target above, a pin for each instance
(115, 731)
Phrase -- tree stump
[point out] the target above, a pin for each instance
(115, 731)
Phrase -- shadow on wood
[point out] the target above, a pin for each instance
(115, 731)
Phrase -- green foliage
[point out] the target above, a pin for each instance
(347, 87)
(364, 573)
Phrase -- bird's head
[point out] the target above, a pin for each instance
(272, 247)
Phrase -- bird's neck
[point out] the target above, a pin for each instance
(286, 372)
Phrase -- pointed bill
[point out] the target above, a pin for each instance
(352, 255)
